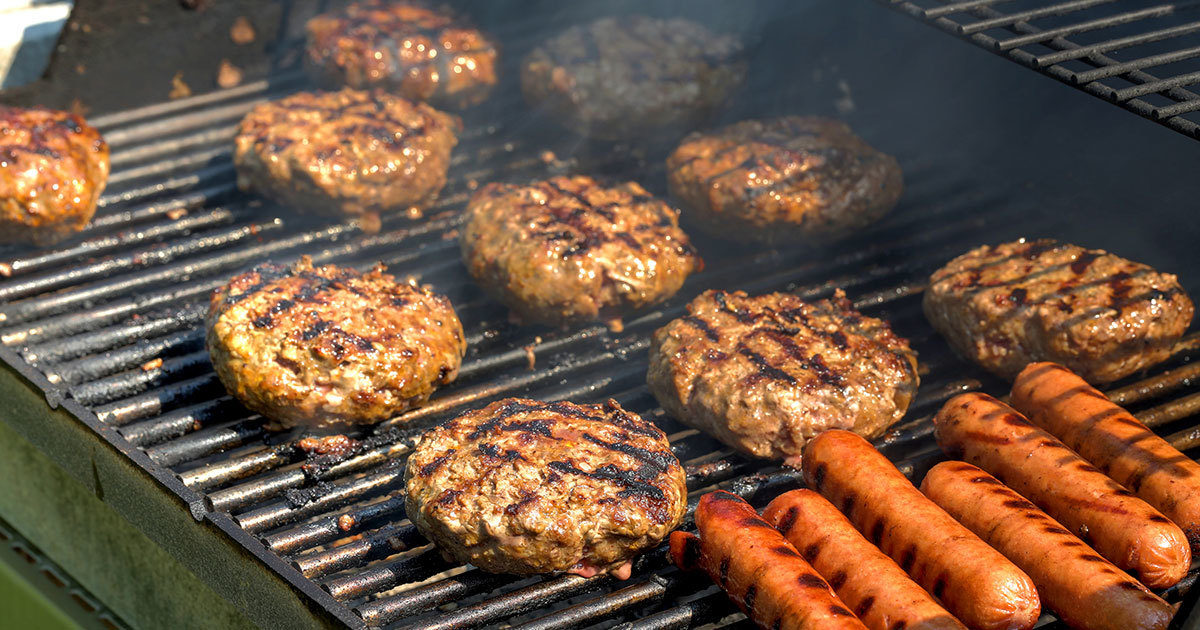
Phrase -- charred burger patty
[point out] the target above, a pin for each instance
(571, 249)
(351, 152)
(627, 77)
(1102, 316)
(318, 346)
(764, 374)
(53, 167)
(781, 180)
(527, 487)
(418, 52)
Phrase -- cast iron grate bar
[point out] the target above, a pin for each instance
(1147, 82)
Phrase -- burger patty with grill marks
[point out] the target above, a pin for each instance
(53, 167)
(318, 346)
(418, 52)
(764, 374)
(634, 77)
(782, 180)
(527, 487)
(348, 152)
(570, 249)
(1102, 316)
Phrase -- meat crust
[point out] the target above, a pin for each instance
(633, 77)
(570, 249)
(53, 167)
(783, 180)
(327, 345)
(527, 487)
(764, 374)
(1102, 316)
(348, 152)
(415, 51)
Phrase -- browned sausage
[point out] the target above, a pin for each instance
(1084, 589)
(758, 568)
(1109, 437)
(1123, 528)
(980, 586)
(873, 585)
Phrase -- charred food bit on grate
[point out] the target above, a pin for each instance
(528, 487)
(634, 77)
(1102, 316)
(571, 249)
(415, 51)
(53, 167)
(318, 346)
(348, 152)
(764, 374)
(782, 180)
(973, 581)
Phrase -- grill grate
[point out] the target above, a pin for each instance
(87, 321)
(1137, 58)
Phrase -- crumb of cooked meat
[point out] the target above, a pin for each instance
(242, 31)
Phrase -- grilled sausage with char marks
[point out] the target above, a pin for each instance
(1121, 527)
(1113, 440)
(758, 568)
(872, 584)
(979, 585)
(1084, 589)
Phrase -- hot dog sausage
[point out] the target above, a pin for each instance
(1055, 399)
(1084, 589)
(758, 568)
(873, 585)
(1121, 527)
(980, 586)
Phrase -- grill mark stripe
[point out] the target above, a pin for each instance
(765, 369)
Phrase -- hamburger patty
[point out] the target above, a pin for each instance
(1100, 315)
(351, 152)
(420, 53)
(570, 249)
(320, 346)
(526, 487)
(53, 167)
(782, 180)
(629, 77)
(764, 374)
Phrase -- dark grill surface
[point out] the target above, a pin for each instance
(1139, 55)
(88, 321)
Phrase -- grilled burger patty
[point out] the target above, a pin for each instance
(526, 487)
(351, 152)
(1100, 315)
(570, 249)
(781, 180)
(53, 167)
(764, 374)
(629, 77)
(418, 52)
(319, 346)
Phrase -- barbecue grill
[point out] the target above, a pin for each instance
(106, 373)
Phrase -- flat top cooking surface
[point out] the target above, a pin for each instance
(88, 321)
